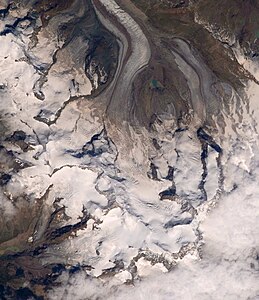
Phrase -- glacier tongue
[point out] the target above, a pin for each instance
(178, 201)
(72, 158)
(226, 225)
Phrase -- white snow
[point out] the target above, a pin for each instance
(214, 256)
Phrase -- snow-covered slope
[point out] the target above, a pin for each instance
(176, 218)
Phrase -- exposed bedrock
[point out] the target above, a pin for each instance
(134, 56)
(136, 71)
(157, 74)
(116, 137)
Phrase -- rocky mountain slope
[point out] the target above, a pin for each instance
(128, 150)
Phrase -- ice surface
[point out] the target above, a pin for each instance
(228, 266)
(186, 246)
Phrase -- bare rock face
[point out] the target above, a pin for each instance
(125, 127)
(236, 21)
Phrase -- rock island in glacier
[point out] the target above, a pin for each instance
(129, 146)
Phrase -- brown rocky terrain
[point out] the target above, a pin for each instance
(183, 70)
